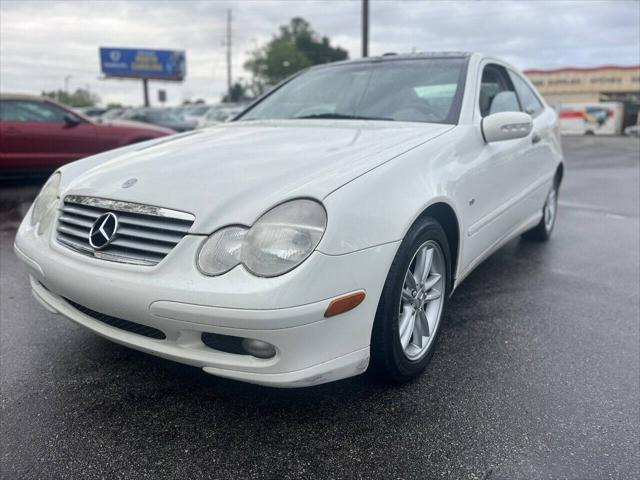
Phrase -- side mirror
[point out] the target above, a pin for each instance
(71, 121)
(505, 126)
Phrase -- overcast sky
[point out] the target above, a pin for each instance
(41, 42)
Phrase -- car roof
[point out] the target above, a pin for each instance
(390, 57)
(22, 96)
(36, 98)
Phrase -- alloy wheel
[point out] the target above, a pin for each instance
(550, 209)
(422, 299)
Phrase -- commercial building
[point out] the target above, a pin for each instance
(609, 83)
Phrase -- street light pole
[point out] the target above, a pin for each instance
(365, 28)
(66, 83)
(228, 45)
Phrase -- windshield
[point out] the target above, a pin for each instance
(420, 90)
(222, 114)
(114, 113)
(163, 116)
(197, 111)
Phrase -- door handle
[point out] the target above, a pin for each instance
(536, 138)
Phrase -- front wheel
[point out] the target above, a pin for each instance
(542, 231)
(412, 304)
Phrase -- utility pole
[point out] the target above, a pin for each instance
(66, 83)
(145, 91)
(365, 28)
(228, 45)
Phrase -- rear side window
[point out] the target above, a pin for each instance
(496, 91)
(529, 100)
(28, 111)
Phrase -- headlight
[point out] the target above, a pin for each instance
(278, 242)
(221, 252)
(45, 201)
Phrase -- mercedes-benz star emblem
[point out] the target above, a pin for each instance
(103, 231)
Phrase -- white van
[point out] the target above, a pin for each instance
(591, 118)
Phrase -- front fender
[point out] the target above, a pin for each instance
(380, 206)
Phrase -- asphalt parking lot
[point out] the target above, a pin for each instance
(537, 374)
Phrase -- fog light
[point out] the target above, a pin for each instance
(258, 348)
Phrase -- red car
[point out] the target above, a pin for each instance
(40, 134)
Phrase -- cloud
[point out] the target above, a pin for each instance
(43, 42)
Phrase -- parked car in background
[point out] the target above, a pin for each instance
(220, 114)
(113, 113)
(40, 134)
(163, 117)
(632, 131)
(91, 112)
(194, 113)
(319, 234)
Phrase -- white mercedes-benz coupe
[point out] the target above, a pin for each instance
(319, 234)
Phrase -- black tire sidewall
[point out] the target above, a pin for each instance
(387, 352)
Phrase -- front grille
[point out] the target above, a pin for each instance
(119, 322)
(145, 234)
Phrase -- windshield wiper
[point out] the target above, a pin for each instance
(341, 116)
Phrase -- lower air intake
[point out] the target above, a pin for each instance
(126, 325)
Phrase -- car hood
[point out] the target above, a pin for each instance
(234, 172)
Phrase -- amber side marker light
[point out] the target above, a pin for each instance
(344, 303)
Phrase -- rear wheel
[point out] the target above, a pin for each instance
(412, 304)
(542, 231)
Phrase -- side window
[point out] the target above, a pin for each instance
(30, 111)
(496, 92)
(21, 111)
(10, 112)
(529, 100)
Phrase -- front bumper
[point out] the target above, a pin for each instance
(286, 311)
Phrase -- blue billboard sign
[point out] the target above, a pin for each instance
(141, 63)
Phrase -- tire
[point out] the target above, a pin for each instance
(542, 232)
(390, 360)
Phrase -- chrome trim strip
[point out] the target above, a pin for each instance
(120, 206)
(105, 256)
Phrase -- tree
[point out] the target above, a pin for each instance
(238, 93)
(296, 47)
(80, 98)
